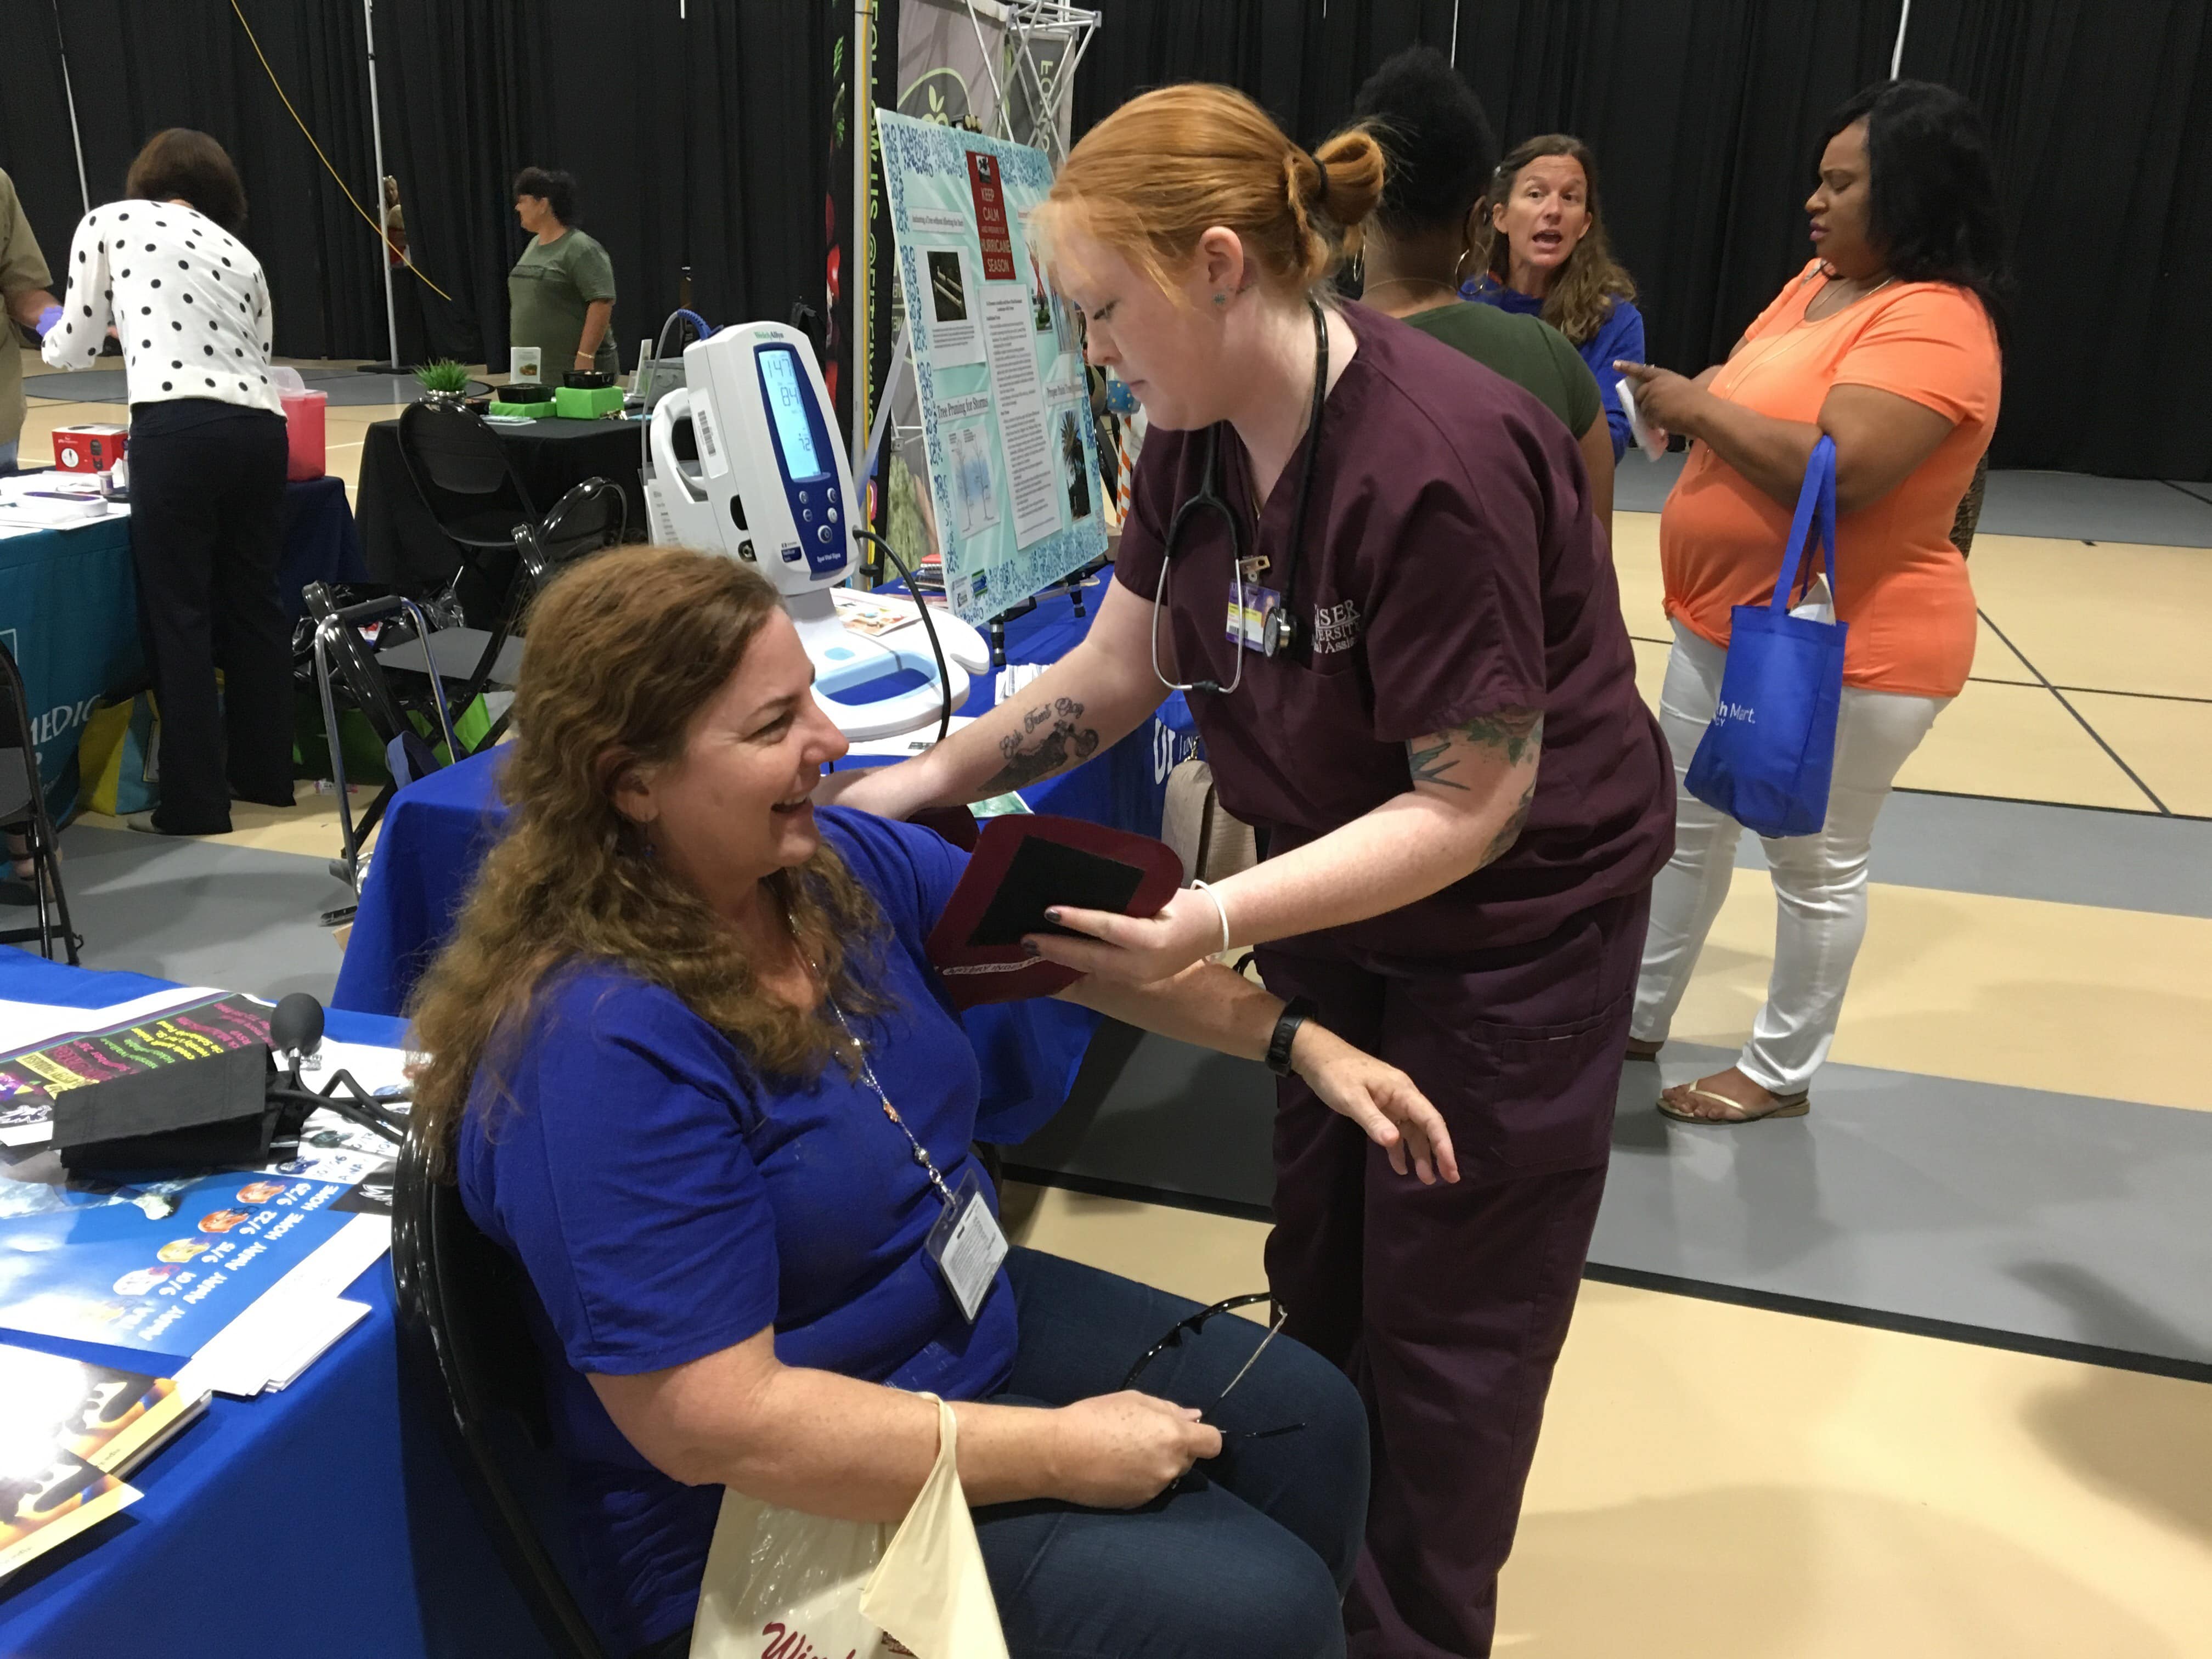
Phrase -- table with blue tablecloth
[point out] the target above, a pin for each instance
(68, 611)
(328, 1512)
(69, 614)
(437, 829)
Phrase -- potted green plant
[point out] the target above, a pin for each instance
(447, 381)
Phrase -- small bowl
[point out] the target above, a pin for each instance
(588, 379)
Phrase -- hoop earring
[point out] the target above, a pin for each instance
(1456, 280)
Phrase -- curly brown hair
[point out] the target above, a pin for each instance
(622, 653)
(1590, 281)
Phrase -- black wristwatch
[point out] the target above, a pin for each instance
(1295, 1014)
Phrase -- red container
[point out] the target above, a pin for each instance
(303, 416)
(88, 448)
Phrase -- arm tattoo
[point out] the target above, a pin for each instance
(1517, 732)
(1502, 843)
(1064, 744)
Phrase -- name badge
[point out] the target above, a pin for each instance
(967, 1246)
(1248, 624)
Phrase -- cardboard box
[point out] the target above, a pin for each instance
(88, 448)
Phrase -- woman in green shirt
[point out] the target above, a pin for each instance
(561, 294)
(1440, 152)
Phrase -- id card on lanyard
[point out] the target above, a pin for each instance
(967, 1244)
(1248, 622)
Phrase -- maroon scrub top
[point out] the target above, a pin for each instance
(1452, 569)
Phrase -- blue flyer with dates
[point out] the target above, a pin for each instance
(161, 1267)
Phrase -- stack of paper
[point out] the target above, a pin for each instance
(70, 1430)
(242, 1271)
(51, 500)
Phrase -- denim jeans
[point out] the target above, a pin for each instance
(1248, 1558)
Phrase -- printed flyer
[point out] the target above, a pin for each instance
(1013, 465)
(29, 1079)
(165, 1267)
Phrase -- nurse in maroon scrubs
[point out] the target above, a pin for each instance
(1429, 710)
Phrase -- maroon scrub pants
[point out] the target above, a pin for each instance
(1448, 1305)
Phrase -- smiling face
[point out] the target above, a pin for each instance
(1545, 215)
(732, 807)
(1841, 206)
(1172, 348)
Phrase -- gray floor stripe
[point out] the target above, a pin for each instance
(2026, 849)
(2056, 1217)
(2068, 506)
(200, 914)
(341, 389)
(2058, 1223)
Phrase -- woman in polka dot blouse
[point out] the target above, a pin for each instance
(163, 270)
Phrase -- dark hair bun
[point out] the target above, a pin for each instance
(1441, 146)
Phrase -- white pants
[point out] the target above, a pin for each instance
(1819, 881)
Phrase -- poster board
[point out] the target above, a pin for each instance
(1006, 427)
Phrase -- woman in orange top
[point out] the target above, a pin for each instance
(1889, 344)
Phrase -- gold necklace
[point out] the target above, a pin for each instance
(1829, 272)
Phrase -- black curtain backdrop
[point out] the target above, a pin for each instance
(712, 141)
(704, 141)
(1703, 114)
(139, 65)
(2102, 116)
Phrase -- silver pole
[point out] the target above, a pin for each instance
(1897, 57)
(68, 91)
(863, 67)
(383, 224)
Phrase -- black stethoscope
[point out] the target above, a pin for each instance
(1279, 631)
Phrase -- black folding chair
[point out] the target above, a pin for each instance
(345, 664)
(463, 473)
(23, 816)
(472, 489)
(466, 1351)
(593, 515)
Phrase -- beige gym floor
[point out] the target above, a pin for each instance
(1718, 1482)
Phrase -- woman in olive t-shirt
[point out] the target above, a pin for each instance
(1440, 152)
(561, 294)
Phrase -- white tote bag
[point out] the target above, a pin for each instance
(780, 1584)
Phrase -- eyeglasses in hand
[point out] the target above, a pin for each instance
(1191, 1326)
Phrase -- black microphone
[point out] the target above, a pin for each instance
(297, 1027)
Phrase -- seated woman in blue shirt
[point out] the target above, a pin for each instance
(659, 1034)
(1544, 254)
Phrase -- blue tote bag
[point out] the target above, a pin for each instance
(1766, 758)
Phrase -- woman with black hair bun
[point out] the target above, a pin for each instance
(1416, 245)
(1889, 342)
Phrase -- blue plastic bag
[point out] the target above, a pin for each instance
(1766, 758)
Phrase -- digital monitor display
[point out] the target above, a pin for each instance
(787, 406)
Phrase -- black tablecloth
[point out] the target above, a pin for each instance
(321, 542)
(399, 534)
